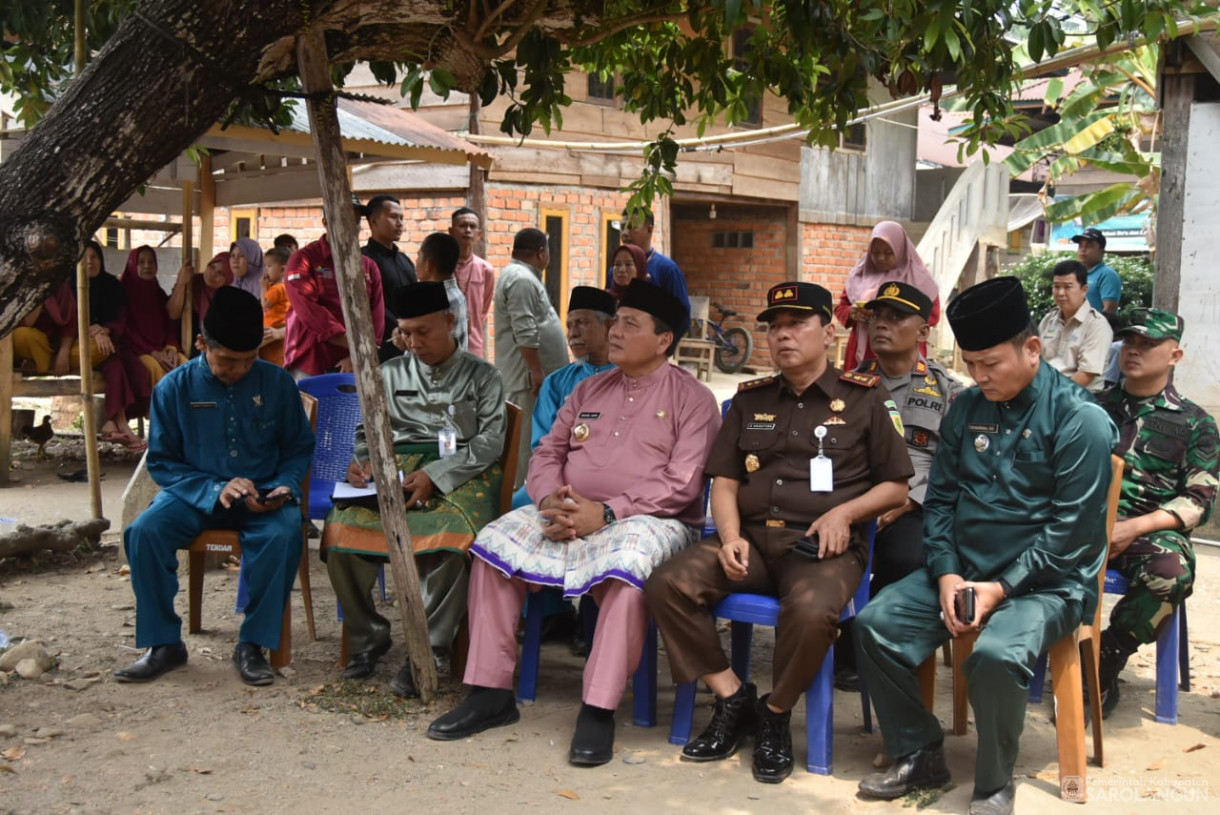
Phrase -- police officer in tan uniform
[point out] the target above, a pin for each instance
(922, 389)
(810, 453)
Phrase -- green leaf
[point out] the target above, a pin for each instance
(1094, 207)
(953, 44)
(1054, 90)
(1090, 135)
(1034, 43)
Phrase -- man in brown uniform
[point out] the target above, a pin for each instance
(811, 452)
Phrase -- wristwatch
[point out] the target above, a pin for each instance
(608, 516)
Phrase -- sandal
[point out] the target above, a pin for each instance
(114, 436)
(135, 444)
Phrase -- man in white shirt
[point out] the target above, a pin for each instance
(1075, 336)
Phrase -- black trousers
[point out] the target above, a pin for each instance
(897, 551)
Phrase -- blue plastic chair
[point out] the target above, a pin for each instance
(338, 415)
(709, 525)
(1172, 658)
(747, 610)
(643, 683)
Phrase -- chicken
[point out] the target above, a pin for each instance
(40, 435)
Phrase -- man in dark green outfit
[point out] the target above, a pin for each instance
(1015, 510)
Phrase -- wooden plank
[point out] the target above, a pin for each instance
(343, 233)
(51, 385)
(766, 188)
(765, 167)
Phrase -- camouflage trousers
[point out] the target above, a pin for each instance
(1161, 568)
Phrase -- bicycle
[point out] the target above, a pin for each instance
(733, 345)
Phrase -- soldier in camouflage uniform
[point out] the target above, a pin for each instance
(1169, 487)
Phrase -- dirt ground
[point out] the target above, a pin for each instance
(198, 740)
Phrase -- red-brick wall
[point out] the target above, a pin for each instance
(733, 277)
(829, 251)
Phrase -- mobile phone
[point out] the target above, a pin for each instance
(263, 496)
(963, 605)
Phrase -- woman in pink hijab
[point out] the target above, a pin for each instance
(890, 256)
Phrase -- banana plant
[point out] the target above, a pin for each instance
(1105, 121)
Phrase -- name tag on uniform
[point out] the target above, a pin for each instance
(590, 415)
(406, 393)
(821, 474)
(202, 405)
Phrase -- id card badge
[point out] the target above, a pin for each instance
(821, 474)
(446, 439)
(821, 469)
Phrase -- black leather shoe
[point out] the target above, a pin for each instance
(593, 742)
(847, 680)
(482, 709)
(363, 664)
(999, 802)
(733, 718)
(403, 683)
(156, 660)
(773, 745)
(920, 770)
(252, 665)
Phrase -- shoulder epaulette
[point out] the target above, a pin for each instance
(861, 379)
(921, 367)
(755, 383)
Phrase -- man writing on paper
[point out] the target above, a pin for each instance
(448, 423)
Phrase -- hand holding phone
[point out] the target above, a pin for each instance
(964, 605)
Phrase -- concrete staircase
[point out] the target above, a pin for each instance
(974, 216)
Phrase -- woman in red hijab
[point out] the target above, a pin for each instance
(216, 274)
(890, 256)
(627, 262)
(151, 334)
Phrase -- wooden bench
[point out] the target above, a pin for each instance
(14, 384)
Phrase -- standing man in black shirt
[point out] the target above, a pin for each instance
(384, 214)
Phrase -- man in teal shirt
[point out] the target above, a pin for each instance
(1015, 510)
(229, 446)
(1105, 286)
(590, 313)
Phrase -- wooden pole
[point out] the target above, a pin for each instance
(1177, 93)
(89, 423)
(342, 232)
(207, 209)
(6, 406)
(476, 198)
(79, 43)
(188, 240)
(92, 462)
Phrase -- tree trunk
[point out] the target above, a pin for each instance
(168, 74)
(343, 233)
(62, 537)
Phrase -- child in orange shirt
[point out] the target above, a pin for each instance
(275, 305)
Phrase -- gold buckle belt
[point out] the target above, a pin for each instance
(771, 522)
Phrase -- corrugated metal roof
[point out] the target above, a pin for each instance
(386, 124)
